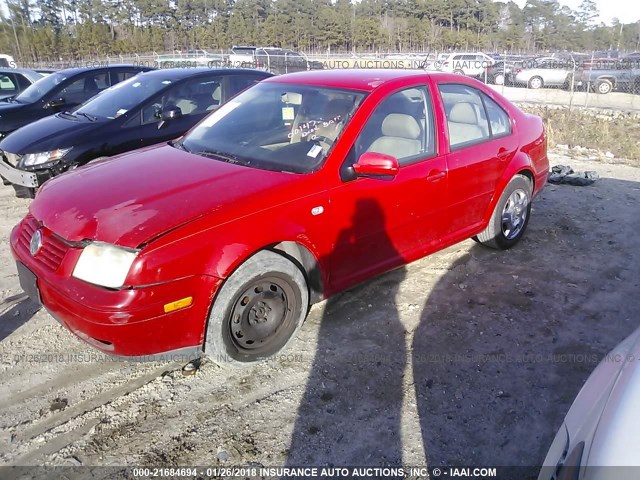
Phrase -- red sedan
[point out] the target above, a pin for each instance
(296, 189)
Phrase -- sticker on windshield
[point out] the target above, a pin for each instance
(315, 151)
(288, 113)
(122, 111)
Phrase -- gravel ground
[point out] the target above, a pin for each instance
(469, 356)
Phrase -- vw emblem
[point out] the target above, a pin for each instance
(36, 243)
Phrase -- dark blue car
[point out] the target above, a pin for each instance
(149, 108)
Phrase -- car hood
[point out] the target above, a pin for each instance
(48, 134)
(7, 107)
(135, 197)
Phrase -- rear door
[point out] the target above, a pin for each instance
(481, 141)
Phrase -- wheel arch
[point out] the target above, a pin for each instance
(520, 165)
(306, 261)
(293, 250)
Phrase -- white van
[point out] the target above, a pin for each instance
(7, 61)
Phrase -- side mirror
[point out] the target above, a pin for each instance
(169, 113)
(374, 164)
(56, 103)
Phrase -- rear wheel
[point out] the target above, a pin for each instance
(536, 82)
(258, 310)
(458, 72)
(603, 86)
(510, 216)
(498, 79)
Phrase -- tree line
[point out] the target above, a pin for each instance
(52, 30)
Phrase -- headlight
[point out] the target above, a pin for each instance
(31, 159)
(104, 264)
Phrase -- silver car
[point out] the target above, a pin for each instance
(598, 439)
(545, 72)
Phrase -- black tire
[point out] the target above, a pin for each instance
(603, 86)
(257, 311)
(499, 234)
(536, 82)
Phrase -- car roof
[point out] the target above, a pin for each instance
(25, 71)
(180, 73)
(77, 70)
(357, 79)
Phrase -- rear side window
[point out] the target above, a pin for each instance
(472, 117)
(6, 84)
(498, 118)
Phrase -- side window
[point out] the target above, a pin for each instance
(238, 83)
(122, 75)
(466, 118)
(192, 97)
(84, 88)
(22, 81)
(6, 84)
(498, 118)
(401, 126)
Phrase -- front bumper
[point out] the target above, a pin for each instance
(129, 322)
(22, 177)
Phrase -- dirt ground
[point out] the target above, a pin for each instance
(469, 356)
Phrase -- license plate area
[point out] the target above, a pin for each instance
(29, 283)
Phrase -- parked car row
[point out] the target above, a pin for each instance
(141, 108)
(598, 75)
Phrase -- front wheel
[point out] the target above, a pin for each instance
(258, 310)
(510, 216)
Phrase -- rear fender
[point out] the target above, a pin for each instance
(520, 164)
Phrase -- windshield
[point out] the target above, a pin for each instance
(276, 126)
(40, 88)
(124, 96)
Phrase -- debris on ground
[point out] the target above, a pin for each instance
(565, 174)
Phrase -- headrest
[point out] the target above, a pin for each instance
(400, 125)
(463, 112)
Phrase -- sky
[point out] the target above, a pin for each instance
(627, 11)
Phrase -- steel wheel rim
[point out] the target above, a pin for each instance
(536, 83)
(514, 214)
(603, 88)
(261, 316)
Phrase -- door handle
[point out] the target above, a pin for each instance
(436, 175)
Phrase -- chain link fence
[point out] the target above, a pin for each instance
(586, 81)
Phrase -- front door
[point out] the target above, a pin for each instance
(380, 223)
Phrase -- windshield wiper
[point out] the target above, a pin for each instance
(218, 155)
(67, 114)
(86, 115)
